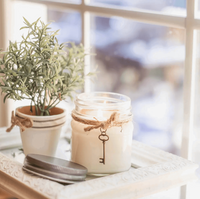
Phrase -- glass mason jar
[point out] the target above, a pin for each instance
(102, 131)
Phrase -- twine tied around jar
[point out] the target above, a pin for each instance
(22, 123)
(103, 126)
(95, 124)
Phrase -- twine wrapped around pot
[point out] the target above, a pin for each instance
(95, 124)
(22, 123)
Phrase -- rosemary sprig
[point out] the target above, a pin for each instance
(40, 69)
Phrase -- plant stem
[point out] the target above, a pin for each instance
(45, 95)
(52, 105)
(36, 109)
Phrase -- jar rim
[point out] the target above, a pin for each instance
(96, 102)
(105, 100)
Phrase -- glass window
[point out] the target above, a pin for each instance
(146, 63)
(69, 24)
(31, 11)
(172, 7)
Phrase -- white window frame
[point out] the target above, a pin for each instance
(189, 23)
(7, 107)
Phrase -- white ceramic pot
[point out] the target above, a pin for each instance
(42, 138)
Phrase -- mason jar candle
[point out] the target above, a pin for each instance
(102, 131)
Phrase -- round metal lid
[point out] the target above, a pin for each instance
(55, 164)
(53, 174)
(50, 178)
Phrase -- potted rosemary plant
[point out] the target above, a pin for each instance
(45, 72)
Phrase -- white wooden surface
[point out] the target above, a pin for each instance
(158, 171)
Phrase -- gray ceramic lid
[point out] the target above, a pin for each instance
(55, 164)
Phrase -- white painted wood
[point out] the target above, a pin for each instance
(138, 15)
(196, 24)
(9, 140)
(189, 86)
(5, 29)
(85, 16)
(188, 81)
(158, 171)
(134, 14)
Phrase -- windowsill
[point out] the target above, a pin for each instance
(156, 171)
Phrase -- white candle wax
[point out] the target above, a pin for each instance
(87, 148)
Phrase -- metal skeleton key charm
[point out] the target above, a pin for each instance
(103, 137)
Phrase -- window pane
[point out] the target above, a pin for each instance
(174, 7)
(69, 24)
(144, 62)
(31, 11)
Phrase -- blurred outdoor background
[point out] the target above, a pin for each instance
(142, 61)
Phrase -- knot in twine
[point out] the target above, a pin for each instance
(95, 124)
(22, 123)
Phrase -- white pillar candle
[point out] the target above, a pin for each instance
(87, 148)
